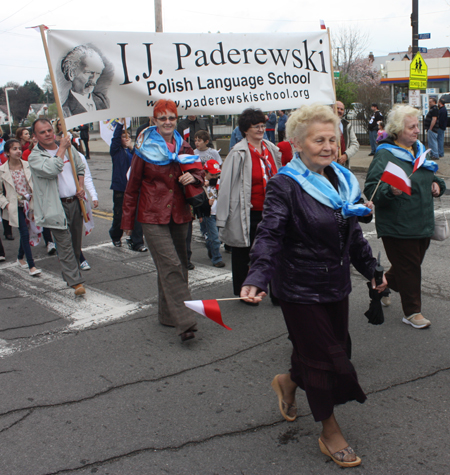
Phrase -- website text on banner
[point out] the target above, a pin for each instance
(115, 74)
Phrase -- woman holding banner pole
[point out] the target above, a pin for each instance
(405, 223)
(304, 245)
(157, 181)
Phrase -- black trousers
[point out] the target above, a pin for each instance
(115, 231)
(405, 274)
(240, 256)
(86, 146)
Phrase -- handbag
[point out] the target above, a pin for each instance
(441, 228)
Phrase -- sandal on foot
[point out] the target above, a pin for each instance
(288, 411)
(339, 456)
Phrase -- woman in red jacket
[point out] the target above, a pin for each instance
(157, 182)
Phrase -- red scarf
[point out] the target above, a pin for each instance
(266, 167)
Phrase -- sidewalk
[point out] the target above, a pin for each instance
(359, 163)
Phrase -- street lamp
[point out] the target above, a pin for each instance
(7, 105)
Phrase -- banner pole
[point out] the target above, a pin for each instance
(333, 83)
(61, 118)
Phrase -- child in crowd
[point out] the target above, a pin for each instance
(212, 169)
(202, 139)
(382, 134)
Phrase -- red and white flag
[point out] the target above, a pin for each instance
(36, 28)
(189, 166)
(395, 176)
(207, 308)
(420, 160)
(186, 133)
(322, 25)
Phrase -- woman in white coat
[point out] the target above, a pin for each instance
(15, 176)
(245, 173)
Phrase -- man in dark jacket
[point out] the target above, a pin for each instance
(121, 156)
(443, 117)
(84, 136)
(431, 124)
(373, 128)
(194, 124)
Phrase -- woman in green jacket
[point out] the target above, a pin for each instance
(405, 223)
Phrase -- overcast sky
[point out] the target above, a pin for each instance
(387, 23)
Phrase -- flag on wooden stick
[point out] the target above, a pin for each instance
(395, 176)
(419, 162)
(207, 308)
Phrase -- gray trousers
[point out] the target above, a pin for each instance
(167, 244)
(68, 243)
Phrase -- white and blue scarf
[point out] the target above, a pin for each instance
(407, 156)
(323, 191)
(152, 148)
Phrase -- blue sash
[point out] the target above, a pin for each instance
(152, 148)
(323, 191)
(407, 156)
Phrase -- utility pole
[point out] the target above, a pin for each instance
(415, 27)
(7, 106)
(158, 17)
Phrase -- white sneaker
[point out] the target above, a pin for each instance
(85, 265)
(2, 258)
(417, 320)
(51, 248)
(35, 272)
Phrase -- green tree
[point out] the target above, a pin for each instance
(47, 88)
(346, 91)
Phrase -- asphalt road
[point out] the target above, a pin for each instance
(96, 385)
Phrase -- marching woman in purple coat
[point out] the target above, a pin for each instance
(304, 245)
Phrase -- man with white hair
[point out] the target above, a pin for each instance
(349, 144)
(82, 67)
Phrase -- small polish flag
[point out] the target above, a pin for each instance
(189, 166)
(36, 28)
(322, 25)
(186, 133)
(207, 308)
(420, 160)
(395, 176)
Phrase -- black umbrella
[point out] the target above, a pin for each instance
(375, 313)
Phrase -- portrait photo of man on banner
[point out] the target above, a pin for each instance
(84, 70)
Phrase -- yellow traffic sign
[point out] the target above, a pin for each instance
(418, 73)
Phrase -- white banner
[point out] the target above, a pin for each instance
(115, 74)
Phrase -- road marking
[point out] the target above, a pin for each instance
(51, 292)
(97, 308)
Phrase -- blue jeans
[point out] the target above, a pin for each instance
(212, 241)
(24, 248)
(373, 140)
(441, 133)
(271, 135)
(432, 143)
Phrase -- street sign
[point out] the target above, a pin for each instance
(424, 36)
(423, 50)
(418, 73)
(414, 97)
(337, 74)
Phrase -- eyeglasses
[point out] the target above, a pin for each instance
(258, 127)
(164, 118)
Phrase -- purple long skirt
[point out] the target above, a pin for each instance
(320, 361)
